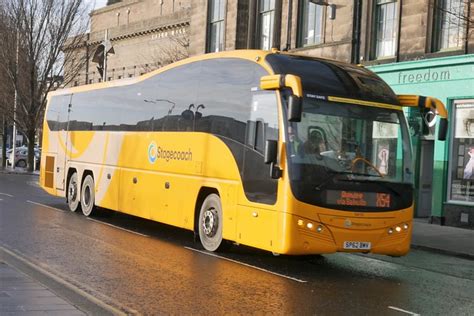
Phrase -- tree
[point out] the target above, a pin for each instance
(32, 34)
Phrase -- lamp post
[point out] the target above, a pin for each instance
(15, 101)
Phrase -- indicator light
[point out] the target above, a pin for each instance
(300, 222)
(309, 225)
(398, 229)
(319, 229)
(390, 231)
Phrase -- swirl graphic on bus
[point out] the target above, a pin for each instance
(152, 152)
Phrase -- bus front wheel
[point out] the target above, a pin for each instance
(88, 196)
(73, 193)
(210, 223)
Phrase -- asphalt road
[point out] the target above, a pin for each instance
(144, 267)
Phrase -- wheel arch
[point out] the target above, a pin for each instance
(85, 174)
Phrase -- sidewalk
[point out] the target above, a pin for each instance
(444, 239)
(18, 170)
(20, 295)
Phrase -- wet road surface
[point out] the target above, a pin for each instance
(149, 268)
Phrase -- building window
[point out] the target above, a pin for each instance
(461, 182)
(216, 25)
(385, 28)
(266, 17)
(311, 28)
(448, 24)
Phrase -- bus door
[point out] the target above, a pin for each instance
(63, 143)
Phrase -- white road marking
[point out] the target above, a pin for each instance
(1, 199)
(47, 206)
(247, 265)
(403, 311)
(118, 227)
(6, 194)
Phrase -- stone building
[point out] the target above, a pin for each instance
(144, 35)
(418, 46)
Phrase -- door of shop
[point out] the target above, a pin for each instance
(426, 179)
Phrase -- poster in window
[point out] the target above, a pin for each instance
(462, 154)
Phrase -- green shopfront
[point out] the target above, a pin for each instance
(445, 170)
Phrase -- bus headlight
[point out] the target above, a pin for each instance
(309, 225)
(398, 229)
(390, 231)
(319, 229)
(405, 226)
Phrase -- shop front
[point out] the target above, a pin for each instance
(444, 169)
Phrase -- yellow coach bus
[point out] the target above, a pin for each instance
(290, 154)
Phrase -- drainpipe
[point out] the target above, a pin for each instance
(252, 23)
(397, 53)
(356, 26)
(277, 26)
(288, 28)
(466, 40)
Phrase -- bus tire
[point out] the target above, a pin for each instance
(73, 200)
(210, 223)
(88, 196)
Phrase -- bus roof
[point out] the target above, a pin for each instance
(332, 78)
(319, 76)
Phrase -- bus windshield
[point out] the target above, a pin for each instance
(343, 146)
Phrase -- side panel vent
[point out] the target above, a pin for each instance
(49, 172)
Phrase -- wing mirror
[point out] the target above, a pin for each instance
(271, 153)
(430, 103)
(275, 82)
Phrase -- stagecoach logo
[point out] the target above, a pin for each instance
(155, 152)
(347, 223)
(152, 152)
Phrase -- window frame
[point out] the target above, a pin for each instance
(374, 29)
(261, 11)
(221, 22)
(437, 41)
(305, 4)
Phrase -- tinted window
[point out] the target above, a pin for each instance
(156, 104)
(326, 77)
(56, 115)
(224, 96)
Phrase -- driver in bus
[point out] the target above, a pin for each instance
(315, 144)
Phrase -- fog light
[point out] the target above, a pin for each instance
(398, 229)
(390, 231)
(319, 229)
(300, 222)
(309, 225)
(405, 226)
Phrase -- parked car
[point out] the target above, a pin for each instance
(21, 157)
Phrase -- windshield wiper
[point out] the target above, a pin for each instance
(332, 175)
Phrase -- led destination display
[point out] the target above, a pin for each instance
(354, 198)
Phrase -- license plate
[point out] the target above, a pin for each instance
(358, 245)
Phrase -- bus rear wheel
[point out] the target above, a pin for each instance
(210, 223)
(73, 200)
(88, 196)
